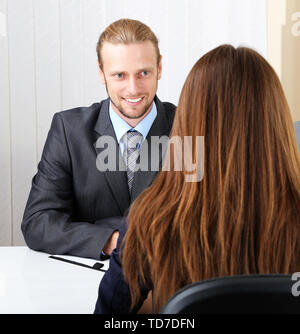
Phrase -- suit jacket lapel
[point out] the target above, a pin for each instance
(117, 180)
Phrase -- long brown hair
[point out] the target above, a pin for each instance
(243, 217)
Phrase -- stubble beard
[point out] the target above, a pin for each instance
(123, 112)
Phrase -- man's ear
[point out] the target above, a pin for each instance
(159, 69)
(101, 73)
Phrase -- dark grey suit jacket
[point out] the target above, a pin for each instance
(73, 208)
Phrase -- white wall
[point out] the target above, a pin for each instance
(48, 64)
(283, 48)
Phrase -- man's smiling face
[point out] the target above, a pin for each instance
(130, 73)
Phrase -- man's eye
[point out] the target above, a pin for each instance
(145, 73)
(119, 75)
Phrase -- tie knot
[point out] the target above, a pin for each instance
(134, 139)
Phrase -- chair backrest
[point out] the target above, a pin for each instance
(245, 294)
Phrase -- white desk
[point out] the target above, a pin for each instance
(31, 282)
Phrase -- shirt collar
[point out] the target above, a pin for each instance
(121, 127)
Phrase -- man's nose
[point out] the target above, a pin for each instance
(133, 86)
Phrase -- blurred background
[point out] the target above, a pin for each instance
(48, 63)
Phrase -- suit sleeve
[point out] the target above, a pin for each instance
(47, 222)
(114, 294)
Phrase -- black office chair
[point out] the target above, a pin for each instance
(245, 294)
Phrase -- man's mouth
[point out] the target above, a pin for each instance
(134, 101)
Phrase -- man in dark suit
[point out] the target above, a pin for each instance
(75, 206)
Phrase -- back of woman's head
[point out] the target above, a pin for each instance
(243, 217)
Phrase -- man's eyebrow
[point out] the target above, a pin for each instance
(149, 68)
(142, 69)
(116, 71)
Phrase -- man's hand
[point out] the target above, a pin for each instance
(111, 243)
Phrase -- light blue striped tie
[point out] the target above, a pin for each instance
(133, 141)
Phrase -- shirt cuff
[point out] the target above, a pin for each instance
(104, 256)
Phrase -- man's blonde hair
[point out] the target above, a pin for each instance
(126, 31)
